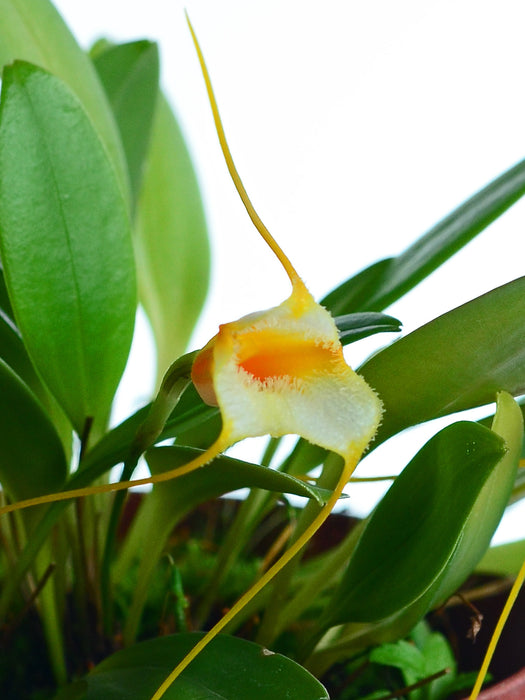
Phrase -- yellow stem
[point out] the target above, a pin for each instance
(310, 531)
(497, 632)
(207, 456)
(257, 222)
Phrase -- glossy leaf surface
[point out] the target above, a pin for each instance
(457, 361)
(65, 242)
(356, 326)
(229, 669)
(33, 31)
(487, 511)
(408, 542)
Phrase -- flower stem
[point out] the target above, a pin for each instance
(310, 531)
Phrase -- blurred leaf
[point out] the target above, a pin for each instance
(33, 31)
(402, 655)
(504, 559)
(378, 286)
(32, 461)
(171, 242)
(65, 243)
(438, 657)
(228, 668)
(356, 326)
(130, 76)
(457, 361)
(407, 542)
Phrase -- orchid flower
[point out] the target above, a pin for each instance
(281, 371)
(275, 372)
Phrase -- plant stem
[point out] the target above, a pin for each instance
(50, 616)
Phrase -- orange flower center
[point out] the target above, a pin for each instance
(269, 354)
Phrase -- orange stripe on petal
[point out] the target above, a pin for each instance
(269, 354)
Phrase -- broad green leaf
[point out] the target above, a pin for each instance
(384, 282)
(33, 31)
(457, 361)
(356, 326)
(171, 242)
(408, 543)
(227, 669)
(130, 76)
(32, 460)
(431, 529)
(487, 511)
(65, 243)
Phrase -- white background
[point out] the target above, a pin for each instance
(355, 127)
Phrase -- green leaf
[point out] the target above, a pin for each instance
(356, 326)
(33, 31)
(130, 76)
(407, 542)
(190, 414)
(438, 657)
(5, 304)
(32, 460)
(485, 515)
(457, 361)
(13, 352)
(171, 242)
(228, 668)
(65, 243)
(224, 474)
(402, 655)
(504, 559)
(384, 282)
